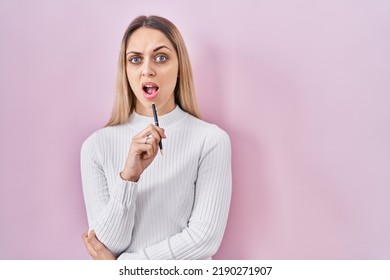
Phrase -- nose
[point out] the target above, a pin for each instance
(147, 69)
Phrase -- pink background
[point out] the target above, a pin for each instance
(302, 87)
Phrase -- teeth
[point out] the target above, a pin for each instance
(149, 86)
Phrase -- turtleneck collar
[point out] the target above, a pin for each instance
(165, 121)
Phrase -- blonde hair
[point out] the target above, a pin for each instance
(125, 99)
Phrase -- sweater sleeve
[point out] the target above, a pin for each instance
(204, 232)
(110, 209)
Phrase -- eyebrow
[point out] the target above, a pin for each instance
(154, 50)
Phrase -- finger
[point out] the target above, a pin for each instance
(139, 147)
(92, 239)
(94, 245)
(97, 249)
(149, 129)
(86, 243)
(85, 238)
(154, 137)
(84, 235)
(91, 233)
(151, 138)
(160, 131)
(90, 249)
(148, 150)
(146, 131)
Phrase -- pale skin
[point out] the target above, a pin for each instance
(150, 58)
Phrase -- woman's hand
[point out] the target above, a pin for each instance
(144, 148)
(95, 248)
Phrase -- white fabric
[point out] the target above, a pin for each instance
(179, 207)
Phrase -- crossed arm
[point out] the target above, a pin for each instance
(203, 234)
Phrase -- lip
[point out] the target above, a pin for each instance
(147, 95)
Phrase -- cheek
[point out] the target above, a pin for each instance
(130, 77)
(170, 82)
(133, 84)
(172, 77)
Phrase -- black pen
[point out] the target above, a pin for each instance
(156, 123)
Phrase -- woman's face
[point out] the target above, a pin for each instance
(152, 67)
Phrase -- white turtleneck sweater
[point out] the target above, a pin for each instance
(179, 207)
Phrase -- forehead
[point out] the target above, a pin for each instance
(144, 39)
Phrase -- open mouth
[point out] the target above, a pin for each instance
(150, 89)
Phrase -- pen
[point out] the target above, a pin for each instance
(156, 123)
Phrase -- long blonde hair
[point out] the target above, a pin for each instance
(184, 93)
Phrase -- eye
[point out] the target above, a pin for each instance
(161, 58)
(135, 60)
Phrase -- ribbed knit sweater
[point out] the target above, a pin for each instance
(178, 209)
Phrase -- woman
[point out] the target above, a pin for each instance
(142, 204)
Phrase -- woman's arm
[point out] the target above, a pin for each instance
(110, 210)
(95, 248)
(206, 226)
